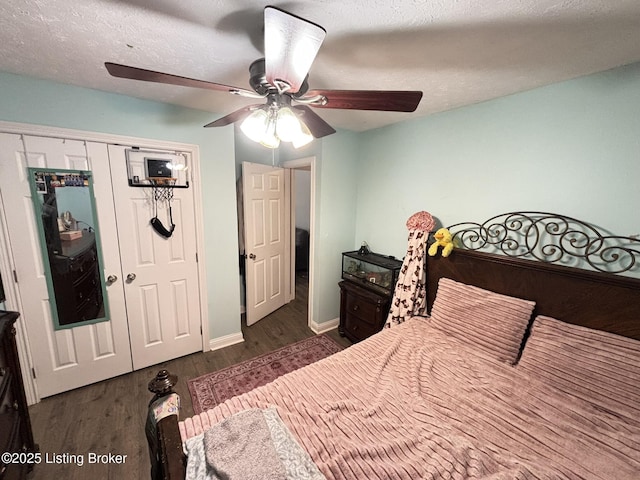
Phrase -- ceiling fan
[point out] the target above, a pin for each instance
(291, 44)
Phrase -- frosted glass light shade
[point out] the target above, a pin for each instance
(255, 125)
(288, 125)
(303, 137)
(270, 141)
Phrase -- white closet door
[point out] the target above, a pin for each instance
(160, 274)
(73, 357)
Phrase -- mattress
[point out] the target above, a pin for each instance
(413, 402)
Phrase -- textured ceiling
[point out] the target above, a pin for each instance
(457, 52)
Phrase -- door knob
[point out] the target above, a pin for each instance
(252, 256)
(131, 277)
(112, 279)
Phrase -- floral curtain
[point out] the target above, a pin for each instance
(410, 296)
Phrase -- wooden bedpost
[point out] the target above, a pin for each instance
(162, 385)
(165, 445)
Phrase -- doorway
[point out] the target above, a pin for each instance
(301, 225)
(295, 259)
(303, 179)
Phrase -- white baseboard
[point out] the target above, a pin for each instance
(225, 341)
(235, 338)
(324, 327)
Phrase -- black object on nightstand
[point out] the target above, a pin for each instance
(366, 291)
(15, 425)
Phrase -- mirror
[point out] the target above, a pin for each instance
(70, 243)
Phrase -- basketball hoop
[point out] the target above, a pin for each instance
(162, 188)
(162, 191)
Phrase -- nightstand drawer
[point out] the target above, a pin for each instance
(356, 328)
(362, 308)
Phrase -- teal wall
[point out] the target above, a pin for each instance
(28, 100)
(336, 196)
(570, 148)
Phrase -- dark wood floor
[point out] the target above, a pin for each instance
(108, 417)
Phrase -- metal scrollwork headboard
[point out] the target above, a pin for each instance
(550, 238)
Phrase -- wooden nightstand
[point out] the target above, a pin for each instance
(362, 311)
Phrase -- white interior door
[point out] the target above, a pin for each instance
(73, 357)
(160, 274)
(266, 239)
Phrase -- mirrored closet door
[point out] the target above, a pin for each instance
(64, 358)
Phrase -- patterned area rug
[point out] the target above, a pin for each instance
(213, 388)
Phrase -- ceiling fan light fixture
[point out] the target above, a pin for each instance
(270, 124)
(269, 137)
(303, 137)
(287, 125)
(255, 125)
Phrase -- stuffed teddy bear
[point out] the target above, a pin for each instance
(444, 240)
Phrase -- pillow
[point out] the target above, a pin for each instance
(488, 321)
(600, 367)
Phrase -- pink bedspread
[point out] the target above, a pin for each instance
(411, 403)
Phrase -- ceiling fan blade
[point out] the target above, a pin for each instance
(134, 73)
(291, 44)
(233, 117)
(317, 126)
(383, 100)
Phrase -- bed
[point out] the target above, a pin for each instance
(527, 367)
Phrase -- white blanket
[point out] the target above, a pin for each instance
(251, 445)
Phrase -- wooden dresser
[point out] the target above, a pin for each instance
(15, 424)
